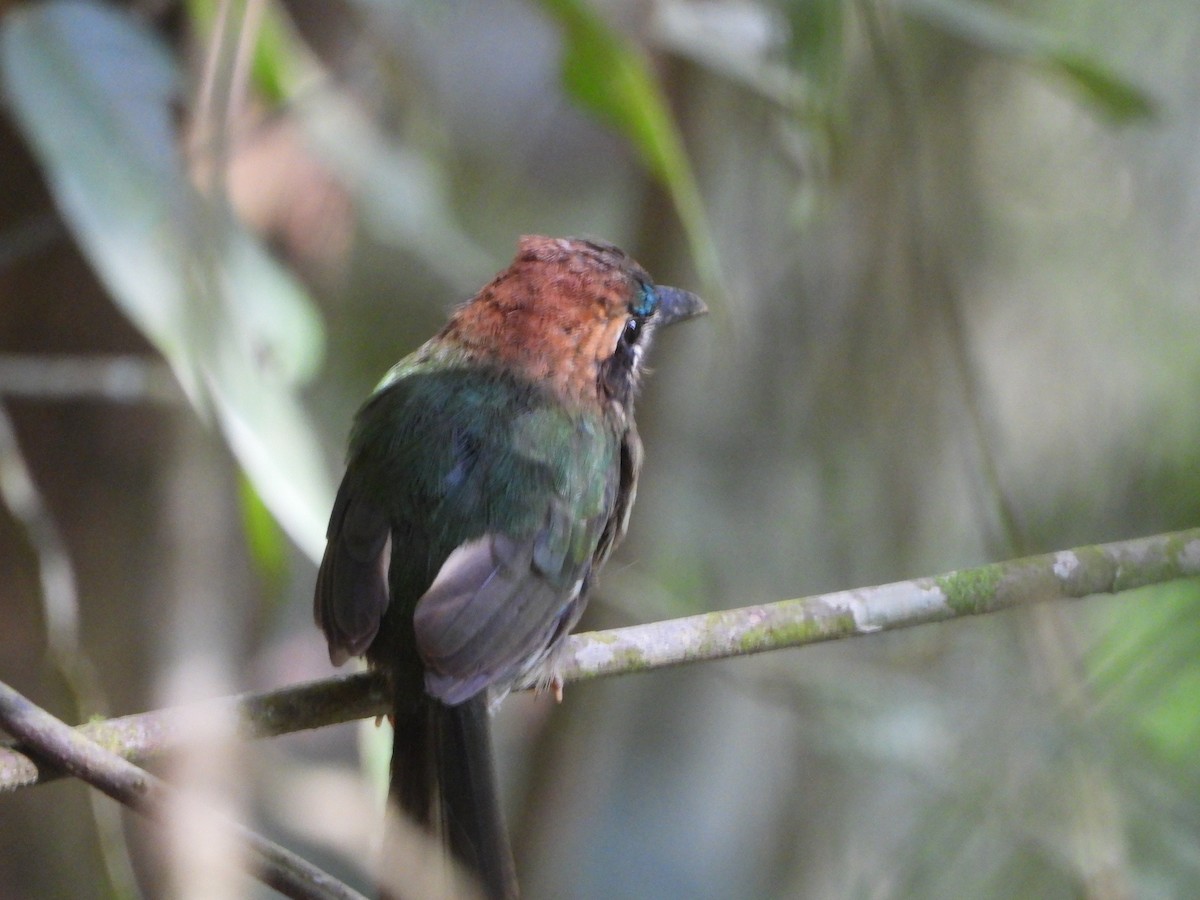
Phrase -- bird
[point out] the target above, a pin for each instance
(489, 476)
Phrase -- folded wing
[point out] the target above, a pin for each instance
(352, 584)
(500, 604)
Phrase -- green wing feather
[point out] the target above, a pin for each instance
(496, 499)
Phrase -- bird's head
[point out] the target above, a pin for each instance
(577, 315)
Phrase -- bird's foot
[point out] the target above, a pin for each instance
(549, 681)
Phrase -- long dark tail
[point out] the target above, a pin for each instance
(443, 776)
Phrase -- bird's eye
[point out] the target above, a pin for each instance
(633, 330)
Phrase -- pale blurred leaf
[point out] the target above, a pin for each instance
(738, 41)
(402, 196)
(268, 304)
(92, 92)
(997, 30)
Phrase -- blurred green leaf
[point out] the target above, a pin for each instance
(607, 74)
(271, 62)
(996, 30)
(1171, 723)
(264, 537)
(818, 34)
(1146, 667)
(92, 91)
(1120, 100)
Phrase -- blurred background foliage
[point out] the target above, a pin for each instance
(951, 251)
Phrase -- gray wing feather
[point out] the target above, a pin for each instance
(489, 616)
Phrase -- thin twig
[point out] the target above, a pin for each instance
(116, 378)
(1067, 574)
(67, 749)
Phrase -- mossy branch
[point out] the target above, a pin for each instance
(1099, 569)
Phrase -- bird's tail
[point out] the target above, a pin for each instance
(442, 775)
